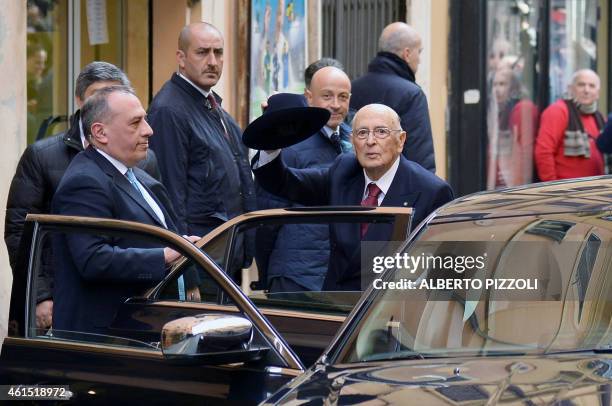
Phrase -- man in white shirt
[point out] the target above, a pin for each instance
(37, 177)
(96, 273)
(376, 175)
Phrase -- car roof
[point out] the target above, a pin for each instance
(565, 196)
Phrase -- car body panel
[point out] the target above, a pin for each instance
(577, 378)
(131, 375)
(566, 214)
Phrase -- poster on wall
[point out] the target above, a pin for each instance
(278, 50)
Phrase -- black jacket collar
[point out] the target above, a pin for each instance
(72, 136)
(192, 91)
(387, 62)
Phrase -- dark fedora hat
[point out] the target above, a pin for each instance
(286, 121)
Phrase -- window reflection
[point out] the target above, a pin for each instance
(573, 42)
(512, 117)
(46, 56)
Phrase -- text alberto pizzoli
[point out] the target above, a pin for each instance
(458, 264)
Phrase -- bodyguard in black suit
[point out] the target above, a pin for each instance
(96, 273)
(378, 141)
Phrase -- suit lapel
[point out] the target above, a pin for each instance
(162, 203)
(122, 183)
(398, 195)
(125, 186)
(349, 234)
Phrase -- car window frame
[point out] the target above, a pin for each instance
(401, 217)
(92, 224)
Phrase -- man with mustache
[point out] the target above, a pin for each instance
(198, 144)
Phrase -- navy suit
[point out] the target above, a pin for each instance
(297, 252)
(96, 273)
(343, 184)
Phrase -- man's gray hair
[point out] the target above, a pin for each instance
(397, 36)
(96, 108)
(579, 72)
(99, 71)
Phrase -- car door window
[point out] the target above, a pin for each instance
(259, 252)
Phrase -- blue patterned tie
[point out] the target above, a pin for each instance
(132, 178)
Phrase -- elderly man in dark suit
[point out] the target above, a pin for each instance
(377, 175)
(95, 273)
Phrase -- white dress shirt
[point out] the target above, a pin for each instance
(384, 183)
(199, 89)
(151, 202)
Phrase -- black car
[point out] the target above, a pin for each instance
(181, 341)
(510, 303)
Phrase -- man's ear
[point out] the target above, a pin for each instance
(180, 58)
(308, 95)
(406, 54)
(98, 134)
(402, 138)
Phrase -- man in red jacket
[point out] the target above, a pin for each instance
(565, 146)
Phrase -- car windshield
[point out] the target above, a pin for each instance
(492, 286)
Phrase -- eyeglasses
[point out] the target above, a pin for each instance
(379, 132)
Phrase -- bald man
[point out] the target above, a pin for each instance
(569, 128)
(390, 80)
(376, 175)
(299, 254)
(198, 144)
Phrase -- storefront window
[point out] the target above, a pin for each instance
(573, 42)
(46, 64)
(64, 36)
(512, 116)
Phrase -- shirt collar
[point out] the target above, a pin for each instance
(199, 89)
(384, 183)
(329, 131)
(119, 165)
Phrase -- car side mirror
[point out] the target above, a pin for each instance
(210, 339)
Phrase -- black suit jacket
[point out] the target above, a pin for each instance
(96, 273)
(343, 184)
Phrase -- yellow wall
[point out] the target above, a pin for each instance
(168, 20)
(13, 118)
(438, 95)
